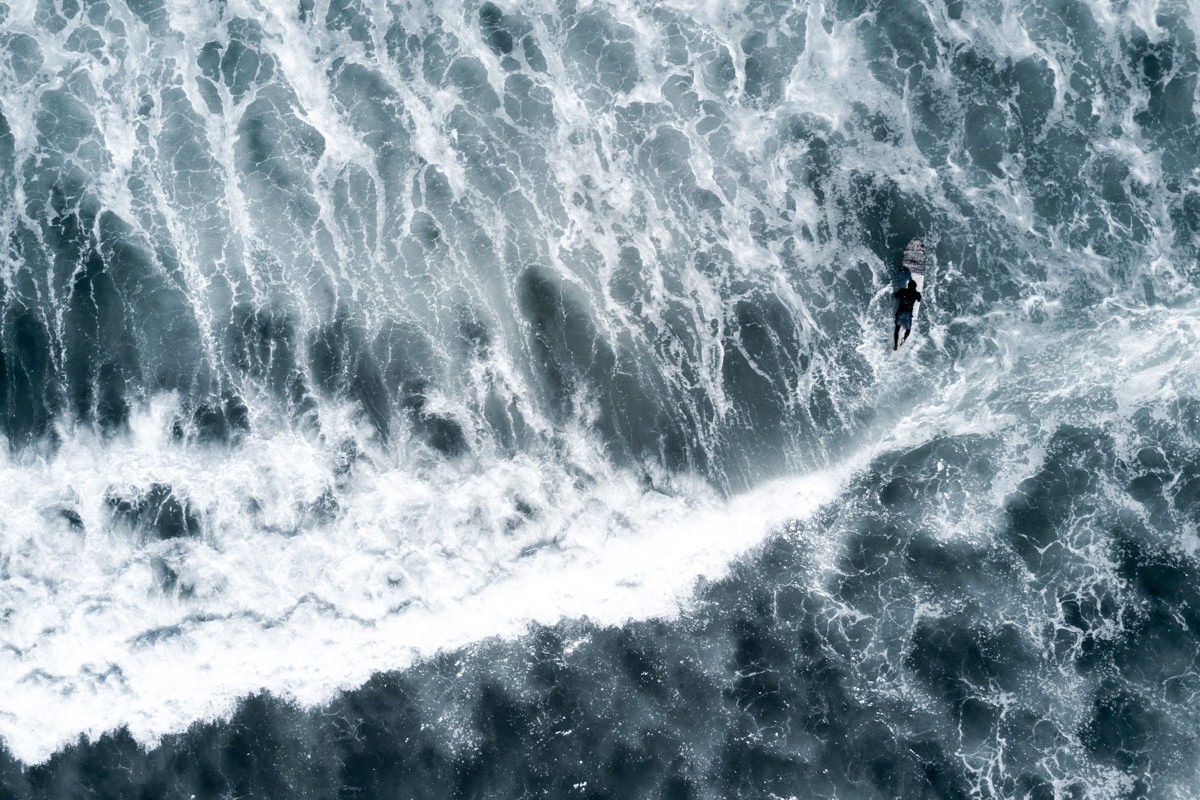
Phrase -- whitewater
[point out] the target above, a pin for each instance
(497, 399)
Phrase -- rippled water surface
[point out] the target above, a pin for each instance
(437, 399)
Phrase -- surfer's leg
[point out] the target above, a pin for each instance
(896, 337)
(906, 332)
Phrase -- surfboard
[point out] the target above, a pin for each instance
(912, 267)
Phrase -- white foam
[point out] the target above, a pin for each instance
(426, 555)
(421, 560)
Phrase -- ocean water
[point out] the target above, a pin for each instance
(426, 399)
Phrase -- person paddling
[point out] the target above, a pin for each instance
(908, 297)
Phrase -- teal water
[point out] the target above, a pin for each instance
(496, 400)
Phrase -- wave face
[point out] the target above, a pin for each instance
(340, 338)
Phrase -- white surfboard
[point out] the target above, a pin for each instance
(913, 262)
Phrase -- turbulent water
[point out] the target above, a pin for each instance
(437, 399)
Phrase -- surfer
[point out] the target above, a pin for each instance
(908, 297)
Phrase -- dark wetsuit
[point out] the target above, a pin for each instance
(908, 298)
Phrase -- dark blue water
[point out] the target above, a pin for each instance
(493, 400)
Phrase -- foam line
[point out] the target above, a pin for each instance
(95, 639)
